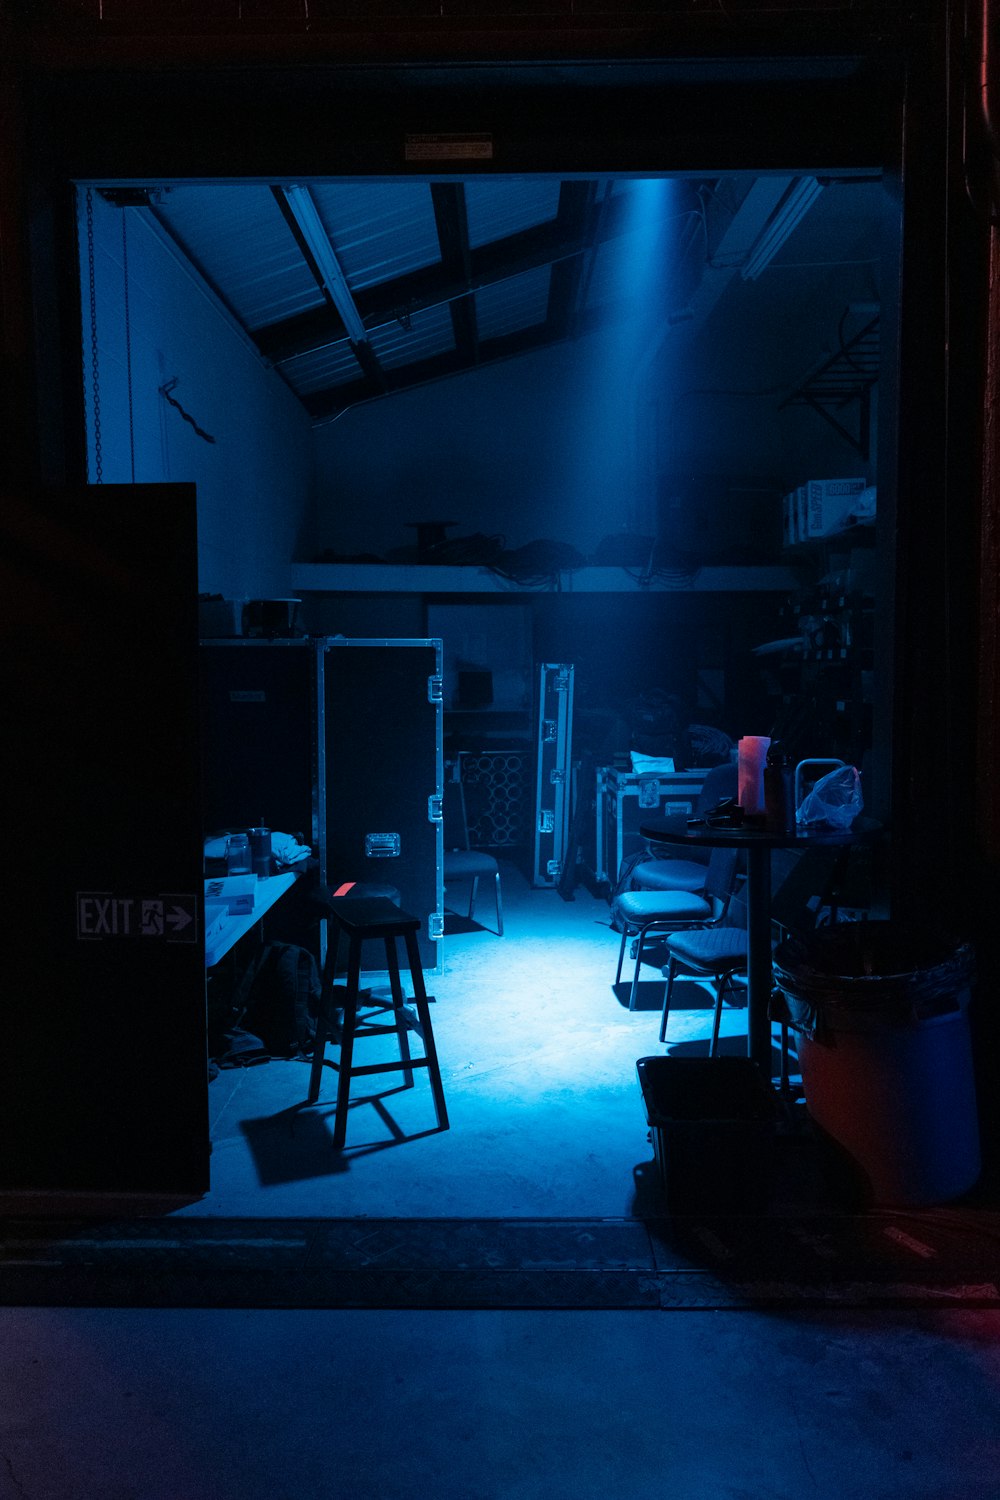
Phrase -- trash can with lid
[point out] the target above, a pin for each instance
(880, 1014)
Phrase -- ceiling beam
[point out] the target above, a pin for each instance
(322, 405)
(298, 208)
(543, 244)
(577, 221)
(452, 221)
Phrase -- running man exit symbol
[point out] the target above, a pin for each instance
(152, 919)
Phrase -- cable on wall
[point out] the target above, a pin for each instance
(165, 391)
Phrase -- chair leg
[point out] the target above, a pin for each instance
(632, 994)
(720, 985)
(621, 955)
(424, 1017)
(347, 1044)
(472, 895)
(667, 992)
(398, 1008)
(319, 1047)
(499, 909)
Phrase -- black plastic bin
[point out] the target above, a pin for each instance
(880, 1014)
(712, 1123)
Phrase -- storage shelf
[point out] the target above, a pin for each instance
(379, 578)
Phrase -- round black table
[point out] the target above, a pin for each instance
(757, 842)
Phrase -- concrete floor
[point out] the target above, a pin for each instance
(539, 1061)
(212, 1405)
(538, 1058)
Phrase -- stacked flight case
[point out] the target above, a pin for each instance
(341, 742)
(627, 799)
(553, 781)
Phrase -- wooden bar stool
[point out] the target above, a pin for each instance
(360, 919)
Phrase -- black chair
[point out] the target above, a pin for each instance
(461, 863)
(642, 914)
(803, 883)
(719, 955)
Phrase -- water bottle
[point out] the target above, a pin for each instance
(238, 854)
(779, 790)
(260, 852)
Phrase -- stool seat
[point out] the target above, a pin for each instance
(371, 916)
(361, 919)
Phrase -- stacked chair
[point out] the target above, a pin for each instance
(642, 914)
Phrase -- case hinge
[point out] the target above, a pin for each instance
(435, 813)
(435, 689)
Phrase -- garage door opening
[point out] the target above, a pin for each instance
(623, 427)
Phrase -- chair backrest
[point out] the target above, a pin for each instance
(456, 829)
(720, 782)
(721, 878)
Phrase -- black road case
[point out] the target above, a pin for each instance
(382, 772)
(339, 740)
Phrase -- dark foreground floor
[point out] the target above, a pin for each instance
(324, 1405)
(506, 1310)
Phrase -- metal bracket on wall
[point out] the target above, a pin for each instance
(842, 382)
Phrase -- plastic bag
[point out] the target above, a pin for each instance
(834, 802)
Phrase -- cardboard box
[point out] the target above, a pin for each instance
(830, 504)
(237, 893)
(801, 527)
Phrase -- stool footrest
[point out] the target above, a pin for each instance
(403, 1066)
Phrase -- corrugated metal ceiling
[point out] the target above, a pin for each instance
(354, 290)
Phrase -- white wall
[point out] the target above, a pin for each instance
(566, 445)
(538, 447)
(255, 480)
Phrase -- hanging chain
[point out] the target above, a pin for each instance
(95, 380)
(128, 345)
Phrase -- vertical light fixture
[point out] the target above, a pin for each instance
(302, 205)
(790, 212)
